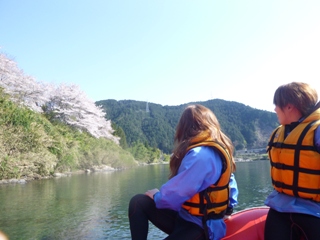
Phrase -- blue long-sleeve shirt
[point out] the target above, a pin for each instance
(200, 167)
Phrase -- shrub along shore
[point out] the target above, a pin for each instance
(32, 147)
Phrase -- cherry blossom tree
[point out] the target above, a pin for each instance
(23, 89)
(71, 106)
(66, 103)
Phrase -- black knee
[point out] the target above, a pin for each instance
(137, 198)
(138, 201)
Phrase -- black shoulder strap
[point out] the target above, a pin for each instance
(270, 144)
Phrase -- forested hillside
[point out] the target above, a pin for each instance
(154, 124)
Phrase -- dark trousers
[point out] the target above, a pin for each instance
(291, 226)
(142, 209)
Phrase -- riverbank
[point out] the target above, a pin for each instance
(102, 168)
(251, 156)
(105, 168)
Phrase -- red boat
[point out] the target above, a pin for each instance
(247, 224)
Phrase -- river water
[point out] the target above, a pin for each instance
(94, 206)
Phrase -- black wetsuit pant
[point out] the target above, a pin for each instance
(142, 209)
(291, 226)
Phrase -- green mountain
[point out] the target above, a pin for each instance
(154, 124)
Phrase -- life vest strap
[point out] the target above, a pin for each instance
(292, 168)
(301, 189)
(292, 146)
(297, 157)
(270, 143)
(216, 188)
(208, 205)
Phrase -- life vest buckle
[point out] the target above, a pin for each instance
(278, 145)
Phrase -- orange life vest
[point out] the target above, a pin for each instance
(295, 162)
(213, 201)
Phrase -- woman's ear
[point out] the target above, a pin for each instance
(289, 107)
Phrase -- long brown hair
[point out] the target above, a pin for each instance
(194, 120)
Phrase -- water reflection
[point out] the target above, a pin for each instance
(254, 183)
(95, 206)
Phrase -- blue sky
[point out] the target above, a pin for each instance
(168, 52)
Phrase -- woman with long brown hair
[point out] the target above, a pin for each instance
(201, 188)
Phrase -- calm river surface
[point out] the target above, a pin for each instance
(94, 206)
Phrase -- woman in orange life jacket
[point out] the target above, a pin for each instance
(201, 188)
(294, 152)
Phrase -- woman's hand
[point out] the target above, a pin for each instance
(151, 192)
